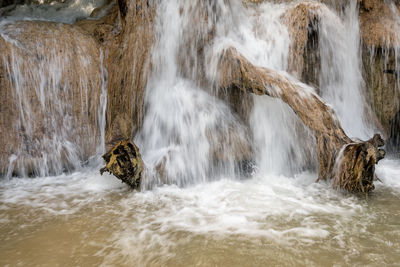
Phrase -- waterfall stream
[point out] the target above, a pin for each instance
(222, 186)
(56, 130)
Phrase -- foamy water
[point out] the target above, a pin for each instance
(208, 214)
(112, 224)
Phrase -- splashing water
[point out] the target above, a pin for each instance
(205, 215)
(55, 130)
(340, 77)
(184, 126)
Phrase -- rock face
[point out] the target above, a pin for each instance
(394, 140)
(381, 42)
(302, 22)
(125, 163)
(128, 65)
(126, 36)
(73, 51)
(50, 80)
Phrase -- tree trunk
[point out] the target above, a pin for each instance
(354, 169)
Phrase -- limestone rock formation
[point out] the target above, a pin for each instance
(302, 21)
(126, 36)
(101, 29)
(47, 69)
(125, 163)
(128, 63)
(381, 41)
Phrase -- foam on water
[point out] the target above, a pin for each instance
(280, 209)
(388, 172)
(150, 226)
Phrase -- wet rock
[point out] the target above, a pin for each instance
(379, 31)
(302, 21)
(394, 137)
(53, 94)
(125, 163)
(132, 43)
(101, 29)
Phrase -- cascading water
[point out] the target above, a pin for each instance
(185, 128)
(193, 141)
(60, 115)
(281, 143)
(341, 80)
(183, 121)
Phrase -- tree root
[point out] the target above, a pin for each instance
(354, 161)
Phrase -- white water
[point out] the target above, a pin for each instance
(68, 11)
(53, 111)
(281, 143)
(341, 79)
(183, 123)
(206, 215)
(260, 217)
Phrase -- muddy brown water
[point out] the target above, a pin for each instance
(85, 219)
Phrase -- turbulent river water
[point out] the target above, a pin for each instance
(207, 215)
(86, 219)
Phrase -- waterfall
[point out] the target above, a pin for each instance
(230, 175)
(282, 144)
(192, 131)
(101, 113)
(188, 134)
(341, 80)
(58, 115)
(174, 136)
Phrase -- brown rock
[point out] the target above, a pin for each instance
(128, 65)
(379, 31)
(71, 96)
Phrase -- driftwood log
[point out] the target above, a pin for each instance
(350, 163)
(125, 163)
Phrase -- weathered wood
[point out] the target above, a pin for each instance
(125, 163)
(237, 71)
(356, 165)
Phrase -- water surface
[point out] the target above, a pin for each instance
(87, 219)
